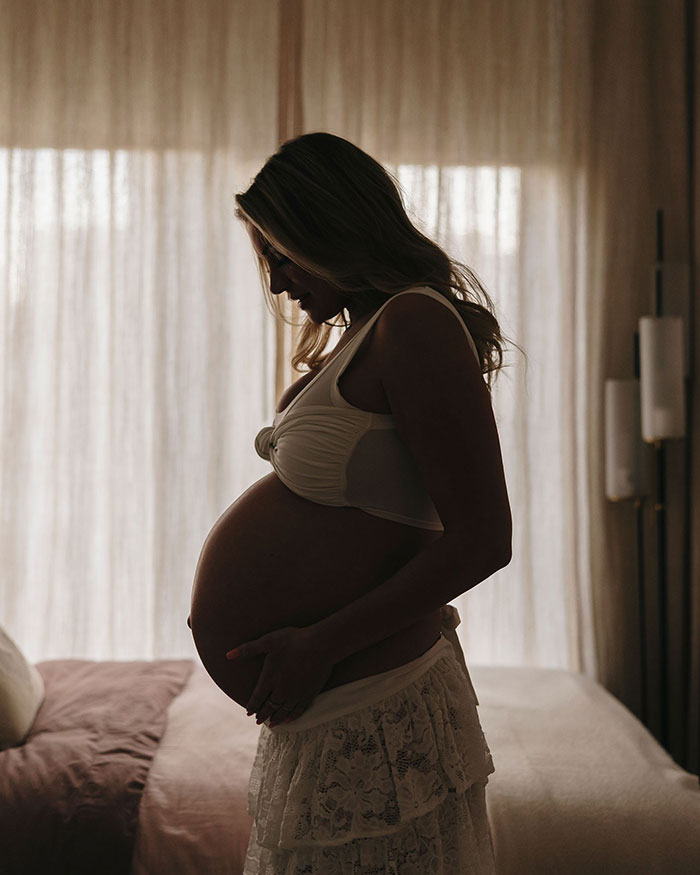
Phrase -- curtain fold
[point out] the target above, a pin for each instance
(534, 141)
(136, 352)
(290, 124)
(139, 74)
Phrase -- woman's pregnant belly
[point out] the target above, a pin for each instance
(274, 559)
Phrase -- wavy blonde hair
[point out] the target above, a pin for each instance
(337, 213)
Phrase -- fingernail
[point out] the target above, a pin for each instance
(232, 654)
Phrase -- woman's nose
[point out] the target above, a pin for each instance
(278, 281)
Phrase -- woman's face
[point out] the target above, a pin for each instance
(317, 298)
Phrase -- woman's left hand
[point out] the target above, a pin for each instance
(293, 674)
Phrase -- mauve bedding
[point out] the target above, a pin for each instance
(193, 816)
(70, 795)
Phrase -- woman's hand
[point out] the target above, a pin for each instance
(293, 674)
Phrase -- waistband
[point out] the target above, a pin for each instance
(352, 696)
(450, 621)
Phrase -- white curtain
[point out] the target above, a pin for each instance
(481, 110)
(485, 214)
(136, 352)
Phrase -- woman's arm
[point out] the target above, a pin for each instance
(448, 567)
(442, 410)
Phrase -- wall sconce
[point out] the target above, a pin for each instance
(662, 365)
(626, 463)
(649, 409)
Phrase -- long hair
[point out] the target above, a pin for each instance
(337, 213)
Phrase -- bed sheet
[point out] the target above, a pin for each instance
(581, 786)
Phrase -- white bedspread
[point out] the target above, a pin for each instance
(580, 785)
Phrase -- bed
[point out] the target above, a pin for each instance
(142, 768)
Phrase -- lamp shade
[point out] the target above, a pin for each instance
(625, 469)
(661, 371)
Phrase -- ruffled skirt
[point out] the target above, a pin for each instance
(381, 776)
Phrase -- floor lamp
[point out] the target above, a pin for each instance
(648, 409)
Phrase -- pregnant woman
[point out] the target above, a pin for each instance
(320, 600)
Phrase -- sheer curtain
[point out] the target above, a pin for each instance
(137, 355)
(480, 110)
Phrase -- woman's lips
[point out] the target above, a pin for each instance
(299, 299)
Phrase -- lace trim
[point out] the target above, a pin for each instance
(368, 773)
(450, 838)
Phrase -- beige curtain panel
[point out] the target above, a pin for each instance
(534, 141)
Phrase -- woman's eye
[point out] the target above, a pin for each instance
(274, 259)
(277, 261)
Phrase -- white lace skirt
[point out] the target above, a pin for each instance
(381, 776)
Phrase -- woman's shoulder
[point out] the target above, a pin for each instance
(420, 310)
(423, 324)
(423, 319)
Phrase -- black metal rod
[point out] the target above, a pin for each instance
(690, 103)
(641, 585)
(686, 600)
(639, 512)
(660, 509)
(660, 512)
